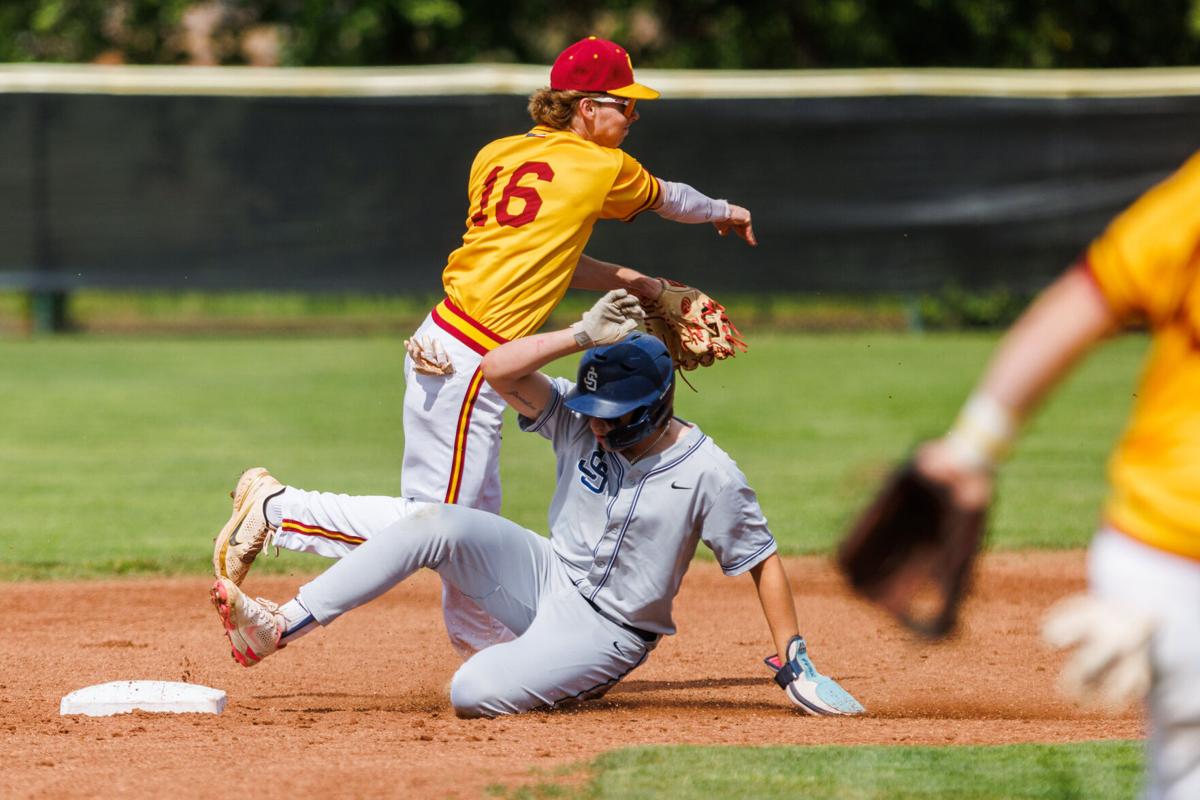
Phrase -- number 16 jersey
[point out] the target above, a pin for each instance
(534, 199)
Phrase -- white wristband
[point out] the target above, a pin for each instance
(982, 434)
(682, 203)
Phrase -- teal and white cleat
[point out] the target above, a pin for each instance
(809, 690)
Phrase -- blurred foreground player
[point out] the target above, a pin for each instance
(1138, 629)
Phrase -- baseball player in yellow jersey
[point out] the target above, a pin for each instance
(1138, 630)
(533, 199)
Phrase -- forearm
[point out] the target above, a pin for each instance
(775, 596)
(601, 276)
(1038, 351)
(512, 368)
(514, 360)
(680, 202)
(1049, 338)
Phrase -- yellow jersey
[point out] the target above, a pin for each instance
(533, 200)
(1147, 265)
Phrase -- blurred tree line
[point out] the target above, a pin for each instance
(661, 33)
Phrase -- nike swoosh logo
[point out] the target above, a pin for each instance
(677, 486)
(233, 540)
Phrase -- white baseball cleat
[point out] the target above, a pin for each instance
(247, 531)
(252, 626)
(809, 690)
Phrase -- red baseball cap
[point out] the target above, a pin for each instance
(597, 65)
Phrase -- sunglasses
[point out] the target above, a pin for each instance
(625, 103)
(624, 419)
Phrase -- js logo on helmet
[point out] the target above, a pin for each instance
(591, 379)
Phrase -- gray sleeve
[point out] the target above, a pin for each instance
(556, 422)
(735, 528)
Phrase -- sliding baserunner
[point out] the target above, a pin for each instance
(637, 489)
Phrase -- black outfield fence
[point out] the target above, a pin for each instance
(900, 189)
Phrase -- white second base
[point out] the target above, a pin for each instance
(120, 697)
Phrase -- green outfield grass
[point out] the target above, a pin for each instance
(118, 453)
(1084, 771)
(183, 311)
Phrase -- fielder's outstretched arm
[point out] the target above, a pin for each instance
(1111, 665)
(680, 202)
(594, 275)
(512, 368)
(1042, 346)
(1049, 338)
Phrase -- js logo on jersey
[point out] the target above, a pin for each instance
(594, 472)
(591, 380)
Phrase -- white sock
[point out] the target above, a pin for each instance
(273, 508)
(297, 621)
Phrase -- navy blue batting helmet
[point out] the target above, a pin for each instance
(635, 374)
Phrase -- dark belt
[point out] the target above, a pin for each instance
(644, 635)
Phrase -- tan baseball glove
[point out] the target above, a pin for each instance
(693, 326)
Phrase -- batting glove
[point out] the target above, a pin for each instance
(1110, 667)
(429, 356)
(609, 320)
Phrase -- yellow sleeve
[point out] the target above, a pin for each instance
(633, 191)
(1145, 261)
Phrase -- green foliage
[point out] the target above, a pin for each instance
(660, 33)
(139, 31)
(955, 308)
(119, 454)
(1084, 771)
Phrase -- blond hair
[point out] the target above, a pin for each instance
(555, 108)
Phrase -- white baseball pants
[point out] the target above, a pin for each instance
(564, 651)
(1166, 586)
(452, 427)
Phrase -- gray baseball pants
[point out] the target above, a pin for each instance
(565, 650)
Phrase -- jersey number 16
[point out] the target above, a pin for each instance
(532, 200)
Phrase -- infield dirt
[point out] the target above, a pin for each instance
(361, 710)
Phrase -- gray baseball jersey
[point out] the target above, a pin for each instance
(627, 532)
